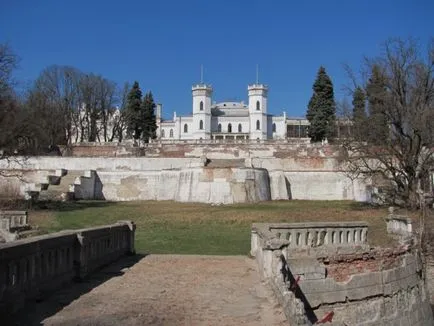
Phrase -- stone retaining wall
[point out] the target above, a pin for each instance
(102, 150)
(350, 281)
(31, 267)
(314, 175)
(106, 164)
(217, 185)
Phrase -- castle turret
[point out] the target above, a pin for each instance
(201, 111)
(258, 111)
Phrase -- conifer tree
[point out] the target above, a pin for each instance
(377, 94)
(321, 111)
(149, 119)
(359, 113)
(134, 112)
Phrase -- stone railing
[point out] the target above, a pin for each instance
(283, 141)
(12, 220)
(308, 235)
(327, 271)
(398, 224)
(31, 267)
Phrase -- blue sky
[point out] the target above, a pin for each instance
(163, 43)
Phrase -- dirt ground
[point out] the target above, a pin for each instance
(164, 290)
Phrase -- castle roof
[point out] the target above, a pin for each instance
(230, 108)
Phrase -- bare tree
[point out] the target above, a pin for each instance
(105, 93)
(8, 62)
(17, 132)
(397, 153)
(119, 119)
(59, 88)
(97, 96)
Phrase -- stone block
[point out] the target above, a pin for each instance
(309, 268)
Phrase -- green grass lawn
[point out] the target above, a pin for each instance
(187, 228)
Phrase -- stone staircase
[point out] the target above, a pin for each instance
(59, 185)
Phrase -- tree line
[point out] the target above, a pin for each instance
(391, 139)
(65, 105)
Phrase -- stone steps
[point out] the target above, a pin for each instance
(56, 185)
(62, 188)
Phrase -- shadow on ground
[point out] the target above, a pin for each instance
(363, 206)
(36, 311)
(60, 206)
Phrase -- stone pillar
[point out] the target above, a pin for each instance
(131, 237)
(253, 243)
(80, 257)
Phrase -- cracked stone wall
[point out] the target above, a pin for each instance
(308, 173)
(381, 291)
(217, 185)
(354, 283)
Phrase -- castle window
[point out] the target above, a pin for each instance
(185, 128)
(258, 106)
(171, 133)
(219, 128)
(274, 127)
(229, 127)
(201, 106)
(240, 128)
(201, 124)
(163, 134)
(258, 125)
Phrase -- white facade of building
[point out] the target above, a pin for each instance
(224, 120)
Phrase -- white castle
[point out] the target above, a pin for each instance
(224, 120)
(228, 120)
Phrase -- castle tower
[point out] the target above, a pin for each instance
(201, 111)
(258, 110)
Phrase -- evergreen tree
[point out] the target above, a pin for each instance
(377, 95)
(321, 111)
(359, 113)
(134, 112)
(149, 119)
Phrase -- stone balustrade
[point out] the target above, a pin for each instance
(398, 224)
(308, 235)
(31, 267)
(285, 141)
(12, 220)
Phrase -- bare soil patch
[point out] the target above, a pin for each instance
(167, 290)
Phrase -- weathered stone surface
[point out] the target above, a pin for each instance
(310, 174)
(308, 268)
(361, 286)
(279, 186)
(225, 186)
(106, 164)
(44, 263)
